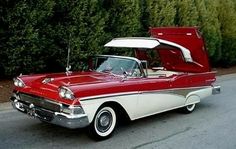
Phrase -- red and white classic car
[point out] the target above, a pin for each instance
(170, 70)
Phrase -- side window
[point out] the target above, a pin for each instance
(153, 58)
(145, 66)
(136, 71)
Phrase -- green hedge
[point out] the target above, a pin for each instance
(34, 35)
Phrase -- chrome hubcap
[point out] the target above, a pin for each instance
(104, 121)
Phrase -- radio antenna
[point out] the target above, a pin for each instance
(68, 66)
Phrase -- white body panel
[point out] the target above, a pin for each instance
(128, 102)
(151, 103)
(196, 96)
(138, 105)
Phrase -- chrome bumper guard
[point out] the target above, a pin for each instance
(216, 89)
(67, 120)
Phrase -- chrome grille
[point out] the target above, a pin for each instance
(40, 102)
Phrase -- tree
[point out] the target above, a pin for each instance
(124, 18)
(24, 20)
(161, 12)
(227, 17)
(35, 35)
(88, 22)
(124, 21)
(186, 14)
(210, 27)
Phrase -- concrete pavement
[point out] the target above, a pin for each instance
(212, 125)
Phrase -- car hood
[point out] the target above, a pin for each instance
(61, 79)
(35, 84)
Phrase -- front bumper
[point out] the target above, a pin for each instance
(60, 118)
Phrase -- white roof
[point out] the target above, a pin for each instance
(147, 43)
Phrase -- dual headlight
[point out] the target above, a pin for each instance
(18, 82)
(66, 93)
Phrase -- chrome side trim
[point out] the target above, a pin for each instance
(177, 91)
(109, 95)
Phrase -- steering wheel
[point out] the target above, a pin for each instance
(124, 71)
(132, 73)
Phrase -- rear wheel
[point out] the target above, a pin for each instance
(188, 109)
(103, 124)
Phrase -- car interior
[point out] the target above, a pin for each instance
(151, 64)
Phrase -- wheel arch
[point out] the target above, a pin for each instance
(91, 107)
(119, 109)
(192, 99)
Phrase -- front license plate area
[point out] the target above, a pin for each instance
(31, 111)
(44, 115)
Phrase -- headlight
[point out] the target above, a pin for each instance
(65, 92)
(18, 82)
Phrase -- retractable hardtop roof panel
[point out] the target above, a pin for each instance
(133, 42)
(180, 49)
(144, 43)
(187, 37)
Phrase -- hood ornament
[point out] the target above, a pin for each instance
(47, 80)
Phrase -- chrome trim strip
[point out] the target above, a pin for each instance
(108, 95)
(176, 91)
(70, 116)
(122, 57)
(130, 58)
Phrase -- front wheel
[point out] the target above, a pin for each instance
(188, 109)
(103, 124)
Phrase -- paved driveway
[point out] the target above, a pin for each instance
(212, 125)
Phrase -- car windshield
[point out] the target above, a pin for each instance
(116, 65)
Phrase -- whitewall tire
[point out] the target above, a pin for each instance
(188, 109)
(103, 124)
